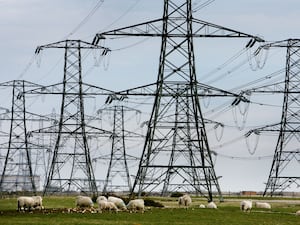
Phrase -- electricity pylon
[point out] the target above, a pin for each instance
(176, 155)
(284, 171)
(17, 174)
(118, 176)
(71, 167)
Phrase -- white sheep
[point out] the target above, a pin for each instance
(136, 205)
(262, 205)
(212, 205)
(38, 202)
(246, 205)
(101, 198)
(201, 206)
(84, 202)
(105, 205)
(25, 202)
(185, 200)
(118, 202)
(298, 213)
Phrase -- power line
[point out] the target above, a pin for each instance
(86, 18)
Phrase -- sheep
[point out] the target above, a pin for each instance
(185, 200)
(101, 198)
(38, 202)
(212, 205)
(246, 205)
(136, 205)
(298, 213)
(25, 202)
(118, 202)
(262, 205)
(105, 205)
(84, 202)
(201, 206)
(101, 204)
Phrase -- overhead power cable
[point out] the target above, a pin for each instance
(121, 16)
(86, 19)
(27, 67)
(264, 157)
(197, 7)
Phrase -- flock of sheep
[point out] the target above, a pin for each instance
(245, 205)
(116, 204)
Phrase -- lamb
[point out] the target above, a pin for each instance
(212, 205)
(185, 200)
(25, 202)
(263, 205)
(118, 202)
(136, 205)
(246, 205)
(105, 205)
(84, 202)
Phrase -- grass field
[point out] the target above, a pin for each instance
(228, 213)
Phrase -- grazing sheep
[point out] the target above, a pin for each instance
(118, 202)
(136, 205)
(185, 201)
(38, 202)
(246, 205)
(212, 205)
(25, 202)
(101, 198)
(84, 202)
(201, 206)
(298, 213)
(262, 205)
(107, 206)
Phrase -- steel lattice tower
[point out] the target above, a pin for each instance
(71, 167)
(287, 153)
(176, 155)
(17, 173)
(118, 177)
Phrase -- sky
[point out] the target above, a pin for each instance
(26, 24)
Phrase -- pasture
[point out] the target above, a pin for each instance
(228, 213)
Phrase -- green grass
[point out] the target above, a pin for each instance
(228, 213)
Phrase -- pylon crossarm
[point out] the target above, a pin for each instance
(31, 117)
(271, 127)
(150, 28)
(282, 44)
(71, 44)
(150, 90)
(57, 89)
(205, 29)
(154, 28)
(27, 84)
(277, 88)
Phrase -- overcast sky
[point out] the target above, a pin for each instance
(26, 24)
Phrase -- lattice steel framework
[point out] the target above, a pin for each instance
(71, 168)
(176, 155)
(17, 174)
(285, 167)
(118, 176)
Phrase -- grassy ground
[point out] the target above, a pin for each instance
(228, 213)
